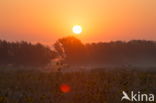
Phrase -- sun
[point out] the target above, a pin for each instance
(77, 29)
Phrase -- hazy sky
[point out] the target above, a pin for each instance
(102, 20)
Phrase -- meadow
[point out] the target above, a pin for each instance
(99, 85)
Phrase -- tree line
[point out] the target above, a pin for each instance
(24, 54)
(73, 52)
(139, 52)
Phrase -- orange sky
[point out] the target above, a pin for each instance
(102, 20)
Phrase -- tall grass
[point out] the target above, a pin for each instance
(95, 86)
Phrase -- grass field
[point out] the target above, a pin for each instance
(95, 86)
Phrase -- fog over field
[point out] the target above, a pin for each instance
(72, 71)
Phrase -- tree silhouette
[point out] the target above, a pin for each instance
(24, 53)
(134, 52)
(71, 49)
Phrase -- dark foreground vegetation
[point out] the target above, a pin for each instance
(95, 86)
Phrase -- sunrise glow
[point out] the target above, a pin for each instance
(92, 21)
(77, 29)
